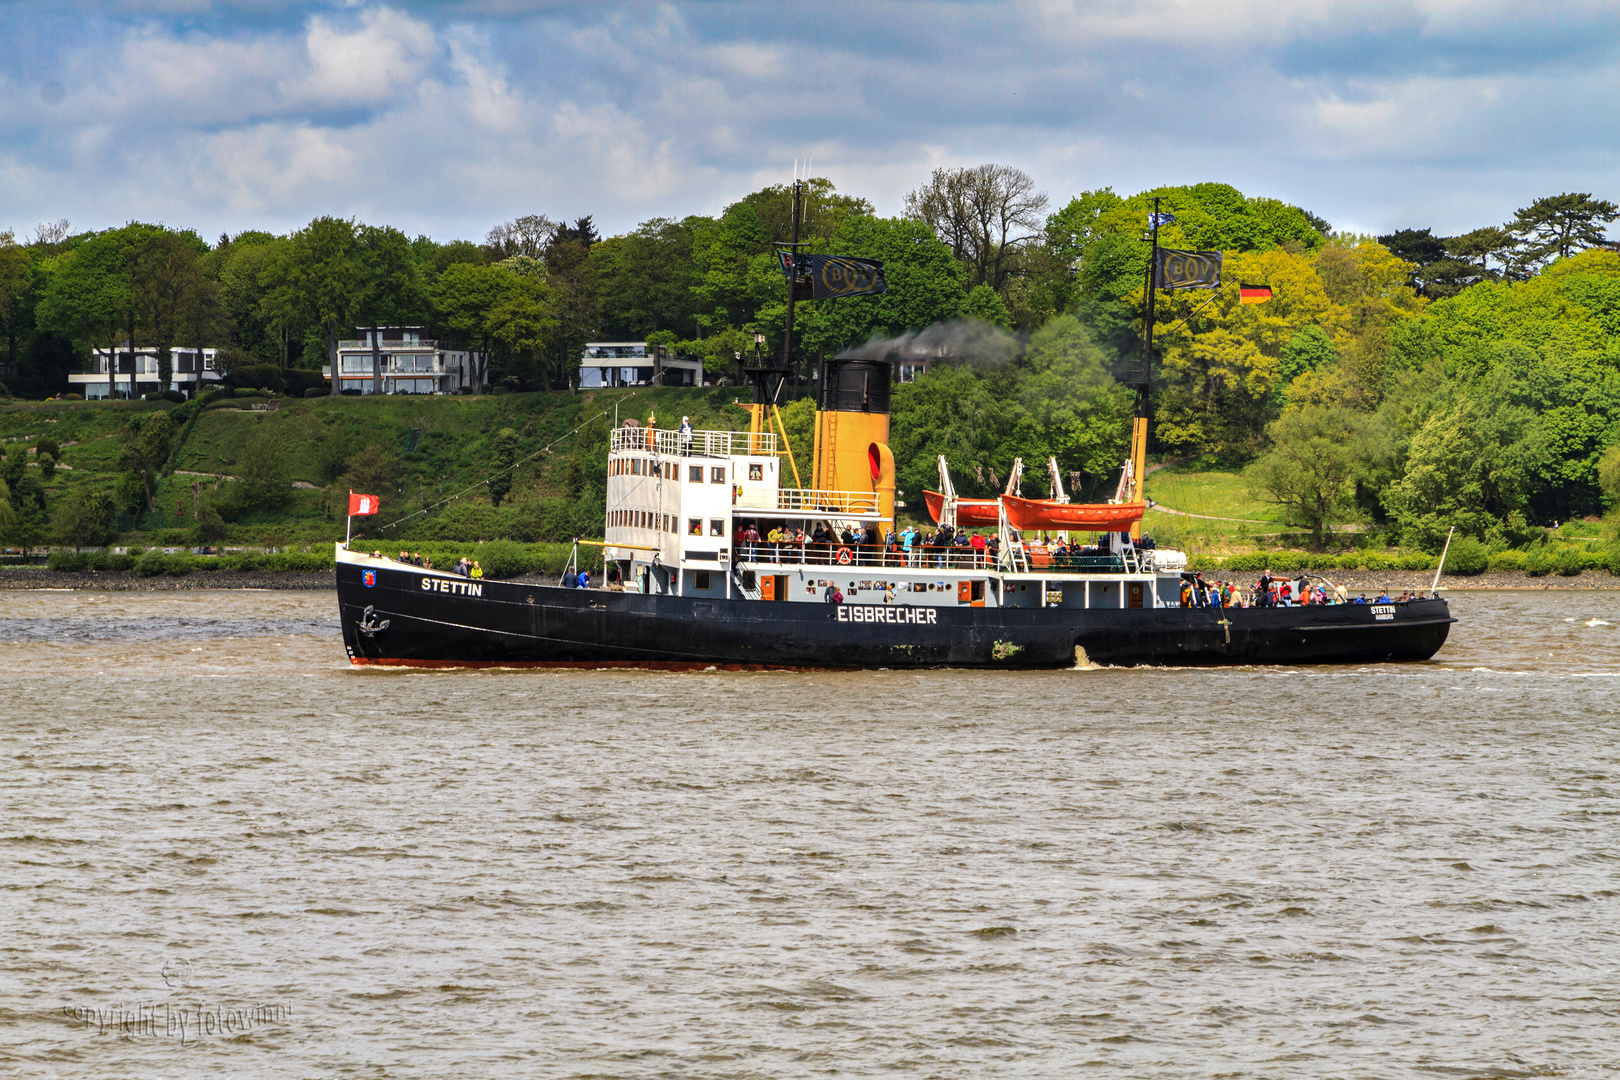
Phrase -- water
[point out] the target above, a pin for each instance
(1377, 872)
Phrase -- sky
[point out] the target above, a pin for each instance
(446, 118)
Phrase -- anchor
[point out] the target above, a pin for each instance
(369, 624)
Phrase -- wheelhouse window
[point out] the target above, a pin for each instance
(717, 475)
(694, 473)
(756, 470)
(717, 527)
(694, 526)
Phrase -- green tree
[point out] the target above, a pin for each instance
(17, 284)
(16, 460)
(925, 286)
(647, 279)
(316, 279)
(372, 471)
(173, 295)
(1309, 467)
(85, 518)
(1078, 412)
(986, 305)
(1556, 226)
(240, 267)
(503, 455)
(24, 527)
(391, 290)
(1310, 349)
(261, 469)
(1072, 229)
(573, 308)
(90, 298)
(146, 452)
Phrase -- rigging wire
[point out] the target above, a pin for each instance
(516, 464)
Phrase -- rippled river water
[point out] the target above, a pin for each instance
(228, 853)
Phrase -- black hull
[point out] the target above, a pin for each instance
(396, 622)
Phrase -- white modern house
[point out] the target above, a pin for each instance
(632, 363)
(411, 364)
(111, 369)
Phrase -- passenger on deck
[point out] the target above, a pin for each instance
(1383, 597)
(570, 578)
(686, 436)
(978, 544)
(584, 579)
(477, 571)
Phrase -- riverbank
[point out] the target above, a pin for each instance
(1356, 581)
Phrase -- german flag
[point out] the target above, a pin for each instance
(1254, 294)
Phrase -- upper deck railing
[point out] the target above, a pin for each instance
(696, 443)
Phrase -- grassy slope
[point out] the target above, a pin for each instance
(318, 434)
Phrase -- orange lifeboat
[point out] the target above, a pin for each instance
(1029, 514)
(970, 513)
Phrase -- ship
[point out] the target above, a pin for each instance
(686, 586)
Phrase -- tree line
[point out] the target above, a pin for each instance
(1410, 381)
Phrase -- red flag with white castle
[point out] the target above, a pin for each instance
(361, 504)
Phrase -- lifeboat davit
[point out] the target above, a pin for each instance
(1030, 514)
(970, 513)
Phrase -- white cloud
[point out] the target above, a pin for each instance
(446, 123)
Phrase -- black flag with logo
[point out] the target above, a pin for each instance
(827, 277)
(1188, 269)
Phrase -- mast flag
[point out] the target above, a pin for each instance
(1155, 220)
(1187, 269)
(831, 276)
(1254, 294)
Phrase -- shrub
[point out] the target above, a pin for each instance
(300, 381)
(268, 376)
(1508, 560)
(1375, 561)
(1467, 556)
(296, 561)
(47, 446)
(106, 560)
(1538, 561)
(317, 391)
(503, 559)
(351, 393)
(1251, 562)
(72, 397)
(69, 561)
(1415, 561)
(1567, 562)
(151, 564)
(174, 395)
(210, 528)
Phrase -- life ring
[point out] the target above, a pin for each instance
(843, 556)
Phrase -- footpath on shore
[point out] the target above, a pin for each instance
(1356, 581)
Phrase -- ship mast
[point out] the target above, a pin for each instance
(1144, 396)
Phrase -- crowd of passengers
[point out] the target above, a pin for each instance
(465, 567)
(1272, 591)
(945, 546)
(904, 547)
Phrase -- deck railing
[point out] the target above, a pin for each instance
(764, 554)
(697, 444)
(853, 503)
